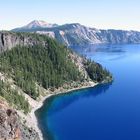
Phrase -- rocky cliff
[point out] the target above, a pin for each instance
(11, 126)
(9, 40)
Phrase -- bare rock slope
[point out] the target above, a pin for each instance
(11, 127)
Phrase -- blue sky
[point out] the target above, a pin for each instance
(104, 14)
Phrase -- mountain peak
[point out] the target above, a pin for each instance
(37, 24)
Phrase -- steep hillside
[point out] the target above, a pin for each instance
(76, 34)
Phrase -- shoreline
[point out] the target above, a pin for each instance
(57, 92)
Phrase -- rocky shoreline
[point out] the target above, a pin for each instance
(56, 92)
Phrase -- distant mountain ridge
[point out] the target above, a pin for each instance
(77, 34)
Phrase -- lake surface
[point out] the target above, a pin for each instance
(105, 112)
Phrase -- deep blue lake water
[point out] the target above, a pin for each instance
(105, 112)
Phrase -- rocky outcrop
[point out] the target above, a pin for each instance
(76, 34)
(11, 127)
(11, 39)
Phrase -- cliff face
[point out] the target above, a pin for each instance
(76, 34)
(119, 37)
(11, 127)
(9, 40)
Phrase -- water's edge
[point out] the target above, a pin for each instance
(46, 98)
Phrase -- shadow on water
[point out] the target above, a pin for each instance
(99, 48)
(57, 103)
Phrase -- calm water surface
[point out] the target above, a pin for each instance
(106, 112)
